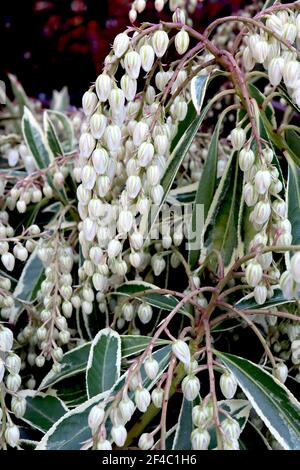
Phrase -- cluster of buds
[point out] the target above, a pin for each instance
(10, 382)
(48, 329)
(124, 151)
(184, 7)
(280, 62)
(262, 192)
(18, 155)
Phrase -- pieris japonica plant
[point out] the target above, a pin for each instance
(150, 244)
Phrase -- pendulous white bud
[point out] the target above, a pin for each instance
(160, 42)
(145, 313)
(261, 212)
(295, 267)
(120, 44)
(142, 399)
(262, 181)
(86, 144)
(275, 70)
(182, 41)
(190, 387)
(246, 159)
(146, 441)
(12, 435)
(89, 102)
(151, 367)
(238, 138)
(95, 418)
(119, 435)
(200, 439)
(253, 273)
(157, 396)
(6, 339)
(181, 350)
(132, 64)
(103, 87)
(228, 385)
(98, 124)
(147, 57)
(260, 294)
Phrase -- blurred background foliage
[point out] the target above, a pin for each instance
(57, 43)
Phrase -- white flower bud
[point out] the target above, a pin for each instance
(253, 273)
(151, 367)
(98, 124)
(95, 208)
(6, 339)
(145, 313)
(291, 73)
(132, 15)
(182, 41)
(231, 429)
(129, 87)
(259, 48)
(132, 64)
(103, 185)
(135, 259)
(100, 282)
(160, 42)
(103, 87)
(262, 181)
(89, 102)
(8, 261)
(13, 363)
(140, 133)
(104, 445)
(238, 138)
(295, 267)
(279, 207)
(116, 100)
(228, 385)
(200, 439)
(86, 144)
(20, 252)
(133, 186)
(284, 239)
(288, 285)
(146, 441)
(145, 154)
(114, 248)
(12, 435)
(289, 32)
(158, 264)
(120, 45)
(181, 350)
(161, 143)
(125, 221)
(246, 159)
(142, 399)
(275, 70)
(113, 137)
(261, 212)
(21, 206)
(274, 23)
(157, 193)
(190, 387)
(13, 157)
(95, 418)
(88, 177)
(13, 382)
(119, 434)
(89, 229)
(200, 415)
(2, 372)
(280, 371)
(147, 57)
(157, 396)
(248, 59)
(128, 311)
(18, 406)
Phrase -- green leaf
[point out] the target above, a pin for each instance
(248, 302)
(222, 233)
(51, 136)
(184, 194)
(72, 363)
(28, 284)
(206, 189)
(132, 344)
(163, 301)
(42, 411)
(182, 439)
(71, 431)
(104, 362)
(293, 201)
(60, 100)
(19, 93)
(293, 142)
(272, 401)
(66, 134)
(35, 140)
(198, 90)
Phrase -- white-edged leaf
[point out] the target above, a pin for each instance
(104, 362)
(71, 431)
(51, 136)
(184, 428)
(293, 200)
(66, 136)
(28, 283)
(198, 90)
(42, 411)
(249, 302)
(35, 140)
(272, 401)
